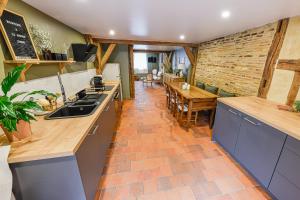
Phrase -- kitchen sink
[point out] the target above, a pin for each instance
(80, 108)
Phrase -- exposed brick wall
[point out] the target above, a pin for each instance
(236, 62)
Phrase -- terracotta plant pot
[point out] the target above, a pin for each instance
(23, 132)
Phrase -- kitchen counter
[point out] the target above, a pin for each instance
(57, 138)
(266, 111)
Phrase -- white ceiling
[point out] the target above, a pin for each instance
(165, 20)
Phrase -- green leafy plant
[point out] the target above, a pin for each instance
(297, 106)
(11, 111)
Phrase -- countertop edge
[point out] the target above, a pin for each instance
(280, 128)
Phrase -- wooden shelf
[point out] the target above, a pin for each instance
(61, 64)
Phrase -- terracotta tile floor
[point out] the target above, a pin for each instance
(152, 157)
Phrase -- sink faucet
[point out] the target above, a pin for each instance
(63, 93)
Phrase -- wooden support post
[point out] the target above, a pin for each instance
(89, 39)
(106, 56)
(23, 73)
(3, 4)
(294, 89)
(272, 58)
(192, 54)
(61, 67)
(291, 65)
(131, 72)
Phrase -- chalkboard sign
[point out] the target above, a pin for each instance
(17, 37)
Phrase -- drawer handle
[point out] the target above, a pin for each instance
(94, 131)
(232, 112)
(251, 122)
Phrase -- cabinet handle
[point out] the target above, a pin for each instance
(232, 112)
(94, 131)
(251, 122)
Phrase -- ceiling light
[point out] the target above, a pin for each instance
(226, 14)
(112, 32)
(182, 37)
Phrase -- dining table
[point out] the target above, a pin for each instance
(197, 100)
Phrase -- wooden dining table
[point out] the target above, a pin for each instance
(198, 99)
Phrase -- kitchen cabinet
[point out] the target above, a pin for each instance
(227, 127)
(72, 177)
(285, 183)
(258, 148)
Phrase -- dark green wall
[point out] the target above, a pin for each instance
(61, 35)
(120, 55)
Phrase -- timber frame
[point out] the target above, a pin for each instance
(291, 65)
(100, 58)
(272, 58)
(192, 54)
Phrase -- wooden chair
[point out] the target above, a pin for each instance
(182, 110)
(173, 101)
(149, 79)
(167, 95)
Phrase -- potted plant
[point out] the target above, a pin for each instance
(15, 115)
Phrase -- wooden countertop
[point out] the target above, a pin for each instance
(56, 138)
(267, 112)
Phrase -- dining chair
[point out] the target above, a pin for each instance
(148, 79)
(167, 90)
(173, 101)
(183, 108)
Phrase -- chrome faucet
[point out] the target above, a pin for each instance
(63, 93)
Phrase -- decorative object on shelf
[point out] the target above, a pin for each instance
(41, 38)
(5, 175)
(15, 115)
(17, 37)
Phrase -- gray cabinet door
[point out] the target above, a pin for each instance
(227, 127)
(285, 183)
(90, 161)
(258, 148)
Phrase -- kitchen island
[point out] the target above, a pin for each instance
(66, 157)
(264, 140)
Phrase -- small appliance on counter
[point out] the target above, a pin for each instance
(97, 83)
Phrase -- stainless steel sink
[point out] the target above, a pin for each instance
(80, 108)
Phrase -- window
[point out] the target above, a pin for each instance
(140, 63)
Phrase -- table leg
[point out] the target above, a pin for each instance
(189, 114)
(211, 121)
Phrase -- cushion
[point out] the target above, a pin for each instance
(223, 93)
(211, 89)
(200, 85)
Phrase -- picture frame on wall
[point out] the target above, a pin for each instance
(17, 37)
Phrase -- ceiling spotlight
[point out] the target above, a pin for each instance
(112, 32)
(226, 14)
(182, 37)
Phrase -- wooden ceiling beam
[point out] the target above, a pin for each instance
(88, 38)
(144, 42)
(149, 51)
(3, 4)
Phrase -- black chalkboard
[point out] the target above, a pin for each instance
(17, 37)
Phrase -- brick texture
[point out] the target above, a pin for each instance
(236, 62)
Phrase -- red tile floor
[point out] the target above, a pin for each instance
(152, 157)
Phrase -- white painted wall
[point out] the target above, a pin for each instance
(73, 82)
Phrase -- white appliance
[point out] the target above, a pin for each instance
(112, 72)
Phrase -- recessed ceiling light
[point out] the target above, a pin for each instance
(182, 37)
(226, 14)
(112, 32)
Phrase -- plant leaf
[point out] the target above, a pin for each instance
(11, 79)
(40, 92)
(12, 97)
(26, 105)
(6, 107)
(9, 124)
